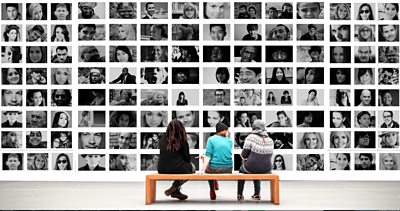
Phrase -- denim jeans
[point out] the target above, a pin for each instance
(257, 183)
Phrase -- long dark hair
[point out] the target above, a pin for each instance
(176, 134)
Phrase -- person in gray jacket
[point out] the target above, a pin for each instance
(256, 154)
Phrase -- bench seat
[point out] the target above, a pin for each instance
(151, 180)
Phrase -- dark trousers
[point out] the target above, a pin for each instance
(257, 183)
(216, 170)
(179, 183)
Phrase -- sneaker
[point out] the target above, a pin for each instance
(255, 197)
(216, 185)
(178, 195)
(213, 196)
(170, 190)
(240, 197)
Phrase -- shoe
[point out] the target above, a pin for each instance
(213, 196)
(170, 190)
(240, 197)
(216, 185)
(255, 197)
(178, 195)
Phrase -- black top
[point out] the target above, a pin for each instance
(174, 162)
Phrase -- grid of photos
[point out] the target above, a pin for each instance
(92, 86)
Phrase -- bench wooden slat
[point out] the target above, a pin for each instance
(151, 180)
(213, 176)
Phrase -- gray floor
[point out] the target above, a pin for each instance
(295, 195)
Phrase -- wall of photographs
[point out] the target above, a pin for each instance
(93, 85)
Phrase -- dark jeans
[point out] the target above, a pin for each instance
(179, 183)
(215, 170)
(257, 183)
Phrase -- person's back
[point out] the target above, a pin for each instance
(174, 157)
(256, 154)
(174, 162)
(258, 150)
(219, 149)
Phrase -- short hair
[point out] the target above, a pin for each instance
(369, 155)
(313, 90)
(362, 113)
(253, 7)
(286, 92)
(13, 155)
(251, 27)
(61, 5)
(219, 90)
(310, 26)
(148, 3)
(62, 48)
(12, 5)
(287, 5)
(256, 70)
(81, 26)
(223, 26)
(243, 6)
(391, 113)
(298, 4)
(315, 48)
(272, 8)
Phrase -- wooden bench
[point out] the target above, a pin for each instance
(151, 180)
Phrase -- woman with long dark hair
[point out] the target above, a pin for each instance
(175, 157)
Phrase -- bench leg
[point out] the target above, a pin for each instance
(275, 191)
(150, 191)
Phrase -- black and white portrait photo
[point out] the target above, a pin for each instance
(122, 118)
(122, 162)
(310, 32)
(123, 140)
(310, 118)
(279, 32)
(310, 75)
(216, 75)
(216, 97)
(247, 10)
(123, 10)
(91, 10)
(123, 97)
(279, 118)
(341, 33)
(185, 75)
(340, 97)
(310, 54)
(212, 117)
(154, 97)
(154, 75)
(217, 32)
(216, 53)
(247, 97)
(122, 32)
(92, 97)
(248, 32)
(154, 10)
(185, 97)
(310, 162)
(124, 75)
(90, 118)
(61, 11)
